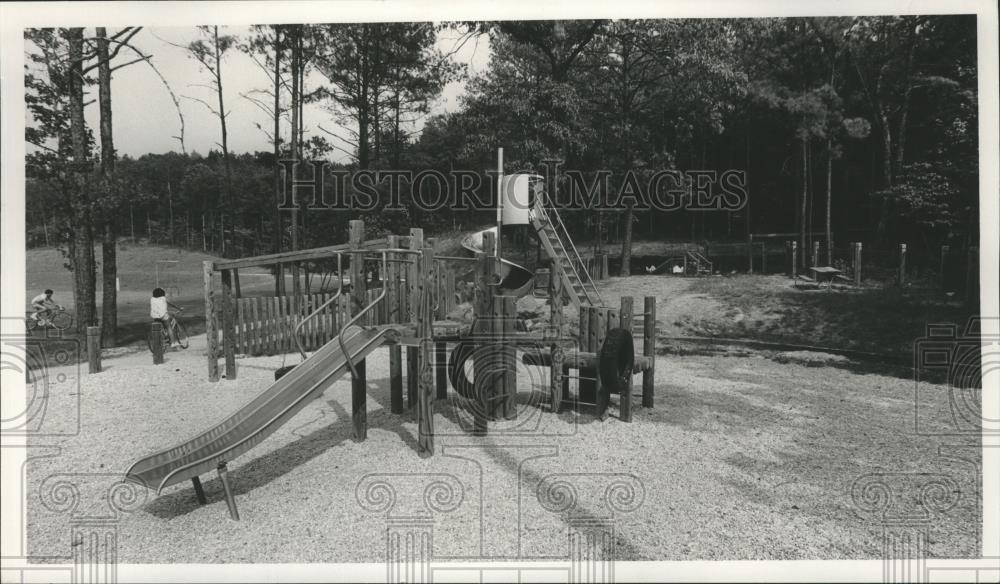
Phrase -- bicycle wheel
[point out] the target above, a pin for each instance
(62, 320)
(182, 336)
(30, 323)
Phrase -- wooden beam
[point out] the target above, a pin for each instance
(301, 255)
(556, 349)
(359, 385)
(211, 337)
(625, 400)
(392, 283)
(576, 359)
(413, 291)
(228, 325)
(649, 350)
(425, 403)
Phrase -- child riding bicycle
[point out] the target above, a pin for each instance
(43, 306)
(158, 311)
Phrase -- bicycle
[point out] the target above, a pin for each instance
(179, 332)
(57, 318)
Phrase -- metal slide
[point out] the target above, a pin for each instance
(257, 420)
(515, 280)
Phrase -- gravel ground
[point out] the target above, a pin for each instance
(744, 457)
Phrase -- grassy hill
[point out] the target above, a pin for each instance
(140, 268)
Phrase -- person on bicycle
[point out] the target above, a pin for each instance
(158, 311)
(43, 305)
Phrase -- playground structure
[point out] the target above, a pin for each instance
(343, 329)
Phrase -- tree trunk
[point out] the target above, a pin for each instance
(829, 197)
(296, 97)
(805, 184)
(279, 280)
(626, 269)
(275, 172)
(883, 218)
(225, 138)
(45, 226)
(295, 133)
(170, 209)
(109, 240)
(84, 280)
(626, 261)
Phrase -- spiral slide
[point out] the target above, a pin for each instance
(257, 420)
(515, 280)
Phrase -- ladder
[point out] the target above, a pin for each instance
(559, 247)
(702, 264)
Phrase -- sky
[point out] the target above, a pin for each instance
(146, 121)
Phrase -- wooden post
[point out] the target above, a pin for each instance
(359, 389)
(433, 271)
(815, 255)
(483, 329)
(857, 263)
(449, 291)
(597, 333)
(441, 369)
(425, 318)
(414, 283)
(156, 342)
(649, 349)
(279, 279)
(604, 267)
(94, 349)
(228, 326)
(211, 336)
(584, 387)
(198, 491)
(625, 400)
(763, 257)
(750, 253)
(902, 264)
(795, 259)
(504, 312)
(412, 375)
(392, 283)
(230, 499)
(944, 261)
(556, 322)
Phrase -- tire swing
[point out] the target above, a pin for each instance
(616, 361)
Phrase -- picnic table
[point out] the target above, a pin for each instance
(825, 274)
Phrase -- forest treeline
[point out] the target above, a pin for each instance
(865, 125)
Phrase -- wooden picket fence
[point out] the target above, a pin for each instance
(264, 325)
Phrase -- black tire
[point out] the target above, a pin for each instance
(61, 320)
(182, 336)
(30, 323)
(456, 368)
(616, 360)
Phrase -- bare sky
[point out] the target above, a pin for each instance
(146, 121)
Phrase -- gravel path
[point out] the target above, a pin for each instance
(743, 458)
